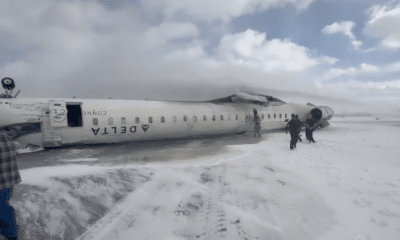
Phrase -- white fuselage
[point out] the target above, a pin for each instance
(57, 122)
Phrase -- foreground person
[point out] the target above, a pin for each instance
(310, 127)
(9, 176)
(292, 127)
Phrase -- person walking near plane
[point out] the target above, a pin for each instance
(9, 176)
(257, 125)
(298, 128)
(310, 127)
(292, 127)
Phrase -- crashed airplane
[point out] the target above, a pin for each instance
(42, 123)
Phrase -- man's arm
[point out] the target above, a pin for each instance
(287, 126)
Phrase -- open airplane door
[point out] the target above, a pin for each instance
(58, 114)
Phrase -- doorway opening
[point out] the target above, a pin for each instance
(74, 115)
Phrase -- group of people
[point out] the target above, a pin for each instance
(294, 128)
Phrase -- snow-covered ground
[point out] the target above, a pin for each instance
(345, 186)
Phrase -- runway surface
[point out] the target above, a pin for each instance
(345, 186)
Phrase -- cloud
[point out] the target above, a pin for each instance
(344, 27)
(251, 48)
(388, 86)
(393, 67)
(383, 24)
(363, 68)
(224, 10)
(351, 71)
(84, 49)
(161, 34)
(87, 50)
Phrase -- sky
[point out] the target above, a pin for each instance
(344, 54)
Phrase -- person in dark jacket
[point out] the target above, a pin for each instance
(292, 127)
(9, 176)
(310, 127)
(257, 125)
(298, 128)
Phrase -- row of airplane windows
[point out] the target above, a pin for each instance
(185, 118)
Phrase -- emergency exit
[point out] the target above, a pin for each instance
(58, 114)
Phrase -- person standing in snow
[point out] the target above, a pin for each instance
(310, 127)
(257, 125)
(9, 176)
(292, 127)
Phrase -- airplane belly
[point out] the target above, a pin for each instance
(146, 132)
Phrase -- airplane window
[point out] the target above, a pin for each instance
(162, 119)
(185, 118)
(222, 117)
(194, 118)
(269, 116)
(285, 115)
(95, 121)
(274, 115)
(262, 116)
(237, 117)
(110, 121)
(137, 120)
(213, 117)
(174, 118)
(280, 115)
(204, 118)
(123, 121)
(150, 119)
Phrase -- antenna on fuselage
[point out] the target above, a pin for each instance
(8, 84)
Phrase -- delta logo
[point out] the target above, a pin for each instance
(145, 127)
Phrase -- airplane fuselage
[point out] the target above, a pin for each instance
(58, 122)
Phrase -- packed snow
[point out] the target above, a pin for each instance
(344, 186)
